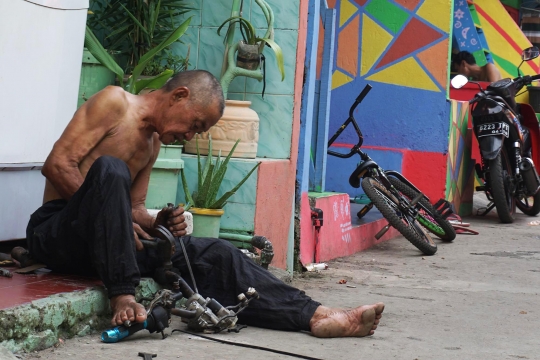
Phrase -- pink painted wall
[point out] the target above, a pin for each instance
(277, 179)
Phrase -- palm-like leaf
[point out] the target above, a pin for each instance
(279, 54)
(153, 83)
(175, 35)
(94, 46)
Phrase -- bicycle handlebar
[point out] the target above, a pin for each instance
(356, 147)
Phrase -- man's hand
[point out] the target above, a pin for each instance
(139, 233)
(173, 219)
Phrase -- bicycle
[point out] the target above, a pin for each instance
(401, 203)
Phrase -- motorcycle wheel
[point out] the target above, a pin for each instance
(428, 216)
(500, 174)
(388, 205)
(526, 207)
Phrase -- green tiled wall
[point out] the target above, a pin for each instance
(206, 52)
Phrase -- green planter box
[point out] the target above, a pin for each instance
(94, 77)
(163, 183)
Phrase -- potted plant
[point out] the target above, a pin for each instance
(204, 203)
(249, 49)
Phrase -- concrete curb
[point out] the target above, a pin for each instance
(38, 325)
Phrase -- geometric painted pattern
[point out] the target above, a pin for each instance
(460, 168)
(407, 73)
(392, 36)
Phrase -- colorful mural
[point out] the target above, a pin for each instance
(460, 169)
(401, 48)
(505, 40)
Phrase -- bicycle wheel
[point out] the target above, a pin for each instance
(389, 206)
(428, 216)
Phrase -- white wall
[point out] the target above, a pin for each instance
(41, 46)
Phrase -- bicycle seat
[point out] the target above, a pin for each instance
(354, 179)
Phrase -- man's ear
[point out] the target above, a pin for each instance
(179, 93)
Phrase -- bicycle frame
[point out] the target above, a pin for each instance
(367, 162)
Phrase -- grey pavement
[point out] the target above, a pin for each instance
(476, 298)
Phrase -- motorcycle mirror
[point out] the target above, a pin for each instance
(530, 53)
(459, 81)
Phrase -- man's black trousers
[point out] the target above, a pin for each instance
(92, 233)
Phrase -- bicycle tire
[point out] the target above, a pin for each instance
(430, 218)
(409, 228)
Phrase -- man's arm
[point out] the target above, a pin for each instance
(139, 189)
(172, 219)
(90, 124)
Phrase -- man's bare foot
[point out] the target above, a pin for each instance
(124, 307)
(361, 321)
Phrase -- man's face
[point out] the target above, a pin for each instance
(187, 118)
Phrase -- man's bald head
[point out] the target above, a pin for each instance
(204, 87)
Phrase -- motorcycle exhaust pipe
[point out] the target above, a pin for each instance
(530, 176)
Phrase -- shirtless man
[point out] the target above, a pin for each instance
(94, 215)
(465, 64)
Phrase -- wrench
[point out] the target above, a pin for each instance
(147, 356)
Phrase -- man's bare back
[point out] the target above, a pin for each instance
(122, 134)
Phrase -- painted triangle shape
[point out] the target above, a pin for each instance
(346, 11)
(374, 41)
(340, 79)
(406, 73)
(408, 4)
(414, 36)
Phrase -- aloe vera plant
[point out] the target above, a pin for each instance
(210, 178)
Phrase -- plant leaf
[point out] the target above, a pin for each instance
(199, 165)
(220, 172)
(222, 200)
(175, 35)
(208, 160)
(279, 55)
(94, 46)
(207, 184)
(135, 20)
(154, 83)
(189, 199)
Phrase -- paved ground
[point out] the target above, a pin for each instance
(477, 298)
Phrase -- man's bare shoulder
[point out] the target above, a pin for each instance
(112, 100)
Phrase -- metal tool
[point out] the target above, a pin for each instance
(5, 273)
(147, 356)
(201, 314)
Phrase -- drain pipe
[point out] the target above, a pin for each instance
(259, 242)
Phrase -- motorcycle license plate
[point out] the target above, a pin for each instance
(499, 128)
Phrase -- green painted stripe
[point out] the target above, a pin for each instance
(388, 14)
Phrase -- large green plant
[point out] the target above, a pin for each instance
(131, 28)
(134, 85)
(209, 181)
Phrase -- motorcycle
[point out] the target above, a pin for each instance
(509, 140)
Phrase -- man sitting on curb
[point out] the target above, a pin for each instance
(94, 211)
